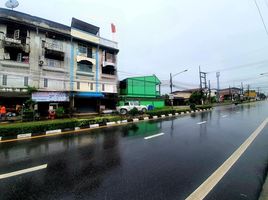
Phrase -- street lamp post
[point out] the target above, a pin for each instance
(171, 84)
(171, 78)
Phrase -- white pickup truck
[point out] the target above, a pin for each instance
(129, 106)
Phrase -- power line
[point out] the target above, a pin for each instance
(239, 66)
(261, 16)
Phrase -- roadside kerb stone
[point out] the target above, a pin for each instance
(26, 135)
(77, 128)
(94, 125)
(53, 131)
(155, 117)
(146, 118)
(163, 116)
(124, 121)
(118, 122)
(135, 120)
(0, 138)
(182, 113)
(110, 123)
(170, 115)
(176, 114)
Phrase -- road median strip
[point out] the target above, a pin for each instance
(90, 126)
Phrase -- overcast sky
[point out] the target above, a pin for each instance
(160, 36)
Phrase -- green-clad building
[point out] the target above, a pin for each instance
(145, 89)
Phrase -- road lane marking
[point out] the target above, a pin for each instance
(202, 191)
(202, 122)
(153, 136)
(24, 171)
(224, 116)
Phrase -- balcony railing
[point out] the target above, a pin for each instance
(53, 63)
(54, 45)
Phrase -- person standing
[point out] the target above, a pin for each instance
(3, 112)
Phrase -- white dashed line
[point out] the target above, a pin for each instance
(202, 122)
(24, 171)
(153, 136)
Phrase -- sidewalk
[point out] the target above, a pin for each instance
(264, 192)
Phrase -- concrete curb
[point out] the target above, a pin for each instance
(155, 117)
(124, 121)
(53, 131)
(146, 118)
(135, 120)
(26, 135)
(110, 123)
(77, 128)
(94, 125)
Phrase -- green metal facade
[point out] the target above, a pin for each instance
(144, 89)
(145, 86)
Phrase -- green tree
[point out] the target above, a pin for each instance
(197, 97)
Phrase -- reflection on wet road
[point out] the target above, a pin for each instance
(178, 155)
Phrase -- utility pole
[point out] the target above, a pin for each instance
(209, 92)
(218, 86)
(203, 82)
(171, 83)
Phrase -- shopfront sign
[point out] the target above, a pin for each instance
(50, 97)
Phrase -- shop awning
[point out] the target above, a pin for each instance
(89, 94)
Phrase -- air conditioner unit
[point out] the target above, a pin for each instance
(41, 61)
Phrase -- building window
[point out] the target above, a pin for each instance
(91, 86)
(78, 85)
(103, 87)
(84, 66)
(84, 51)
(45, 82)
(4, 80)
(26, 81)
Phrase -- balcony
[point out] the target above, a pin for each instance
(82, 57)
(85, 68)
(54, 45)
(53, 65)
(16, 64)
(109, 60)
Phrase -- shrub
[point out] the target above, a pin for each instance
(134, 111)
(43, 126)
(193, 106)
(60, 112)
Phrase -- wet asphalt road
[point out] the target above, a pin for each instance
(118, 163)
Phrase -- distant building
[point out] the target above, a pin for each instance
(71, 66)
(231, 93)
(145, 89)
(250, 94)
(182, 96)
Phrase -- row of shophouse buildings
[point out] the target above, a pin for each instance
(71, 66)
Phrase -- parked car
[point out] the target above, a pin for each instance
(129, 106)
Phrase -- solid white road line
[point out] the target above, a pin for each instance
(202, 122)
(24, 171)
(202, 191)
(153, 136)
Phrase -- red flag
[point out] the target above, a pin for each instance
(113, 28)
